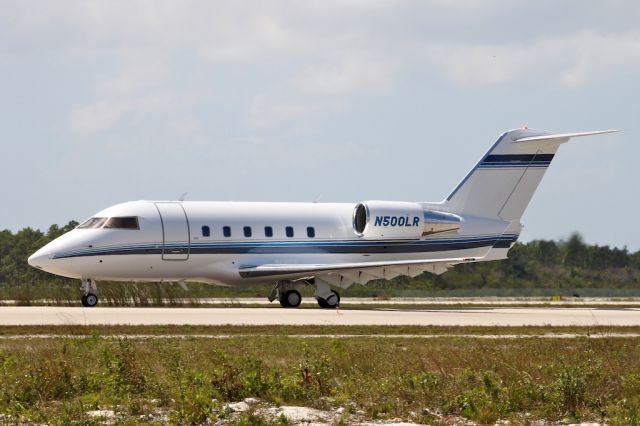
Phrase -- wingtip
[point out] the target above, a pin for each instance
(598, 132)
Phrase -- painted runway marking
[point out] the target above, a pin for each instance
(486, 317)
(325, 336)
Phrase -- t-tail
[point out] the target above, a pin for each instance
(503, 182)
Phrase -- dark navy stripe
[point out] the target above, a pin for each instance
(513, 166)
(507, 241)
(379, 247)
(303, 247)
(252, 243)
(389, 248)
(500, 159)
(503, 244)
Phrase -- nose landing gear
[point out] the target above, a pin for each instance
(89, 289)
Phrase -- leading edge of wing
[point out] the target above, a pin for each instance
(269, 270)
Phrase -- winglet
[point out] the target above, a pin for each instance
(562, 137)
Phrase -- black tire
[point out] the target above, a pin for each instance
(83, 300)
(294, 298)
(90, 300)
(322, 303)
(326, 305)
(291, 299)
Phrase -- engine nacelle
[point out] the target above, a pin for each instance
(380, 220)
(388, 220)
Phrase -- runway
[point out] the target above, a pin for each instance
(278, 316)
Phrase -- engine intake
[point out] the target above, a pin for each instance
(400, 220)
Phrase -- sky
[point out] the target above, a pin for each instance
(343, 101)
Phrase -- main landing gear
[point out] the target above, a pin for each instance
(330, 302)
(89, 291)
(326, 297)
(289, 296)
(291, 299)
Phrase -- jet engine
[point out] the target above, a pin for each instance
(379, 220)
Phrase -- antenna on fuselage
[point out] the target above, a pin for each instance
(317, 199)
(183, 196)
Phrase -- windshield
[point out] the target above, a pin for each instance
(94, 222)
(130, 222)
(127, 222)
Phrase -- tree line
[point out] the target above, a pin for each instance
(539, 264)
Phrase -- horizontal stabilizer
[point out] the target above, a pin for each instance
(313, 269)
(561, 137)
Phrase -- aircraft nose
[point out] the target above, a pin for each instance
(39, 259)
(48, 257)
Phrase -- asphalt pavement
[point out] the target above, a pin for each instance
(494, 316)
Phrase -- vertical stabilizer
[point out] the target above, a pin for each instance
(505, 179)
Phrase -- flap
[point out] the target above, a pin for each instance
(302, 270)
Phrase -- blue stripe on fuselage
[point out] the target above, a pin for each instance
(299, 247)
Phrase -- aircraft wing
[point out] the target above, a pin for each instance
(346, 273)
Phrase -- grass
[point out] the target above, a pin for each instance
(329, 330)
(67, 293)
(58, 380)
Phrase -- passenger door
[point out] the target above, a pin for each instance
(176, 241)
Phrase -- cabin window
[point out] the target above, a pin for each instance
(206, 232)
(226, 231)
(289, 231)
(268, 231)
(247, 231)
(311, 233)
(94, 222)
(129, 222)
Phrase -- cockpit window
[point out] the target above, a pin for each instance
(129, 222)
(94, 222)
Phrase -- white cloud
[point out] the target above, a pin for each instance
(308, 58)
(570, 61)
(139, 75)
(104, 115)
(351, 74)
(317, 89)
(267, 109)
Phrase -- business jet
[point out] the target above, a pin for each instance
(328, 246)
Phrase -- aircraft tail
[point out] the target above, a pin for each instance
(504, 180)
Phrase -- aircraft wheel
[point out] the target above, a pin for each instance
(89, 300)
(330, 302)
(291, 299)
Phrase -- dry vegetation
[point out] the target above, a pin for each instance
(58, 380)
(8, 331)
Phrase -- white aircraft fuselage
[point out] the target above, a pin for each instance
(328, 245)
(185, 241)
